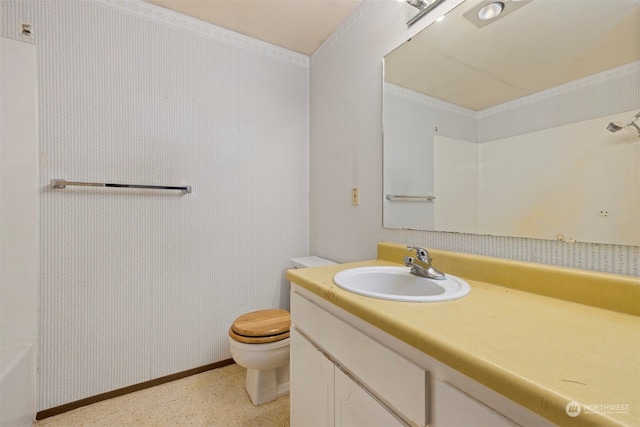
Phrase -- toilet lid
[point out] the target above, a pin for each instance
(261, 326)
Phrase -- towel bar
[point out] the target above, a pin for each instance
(60, 184)
(397, 197)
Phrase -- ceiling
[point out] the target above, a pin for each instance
(298, 25)
(543, 44)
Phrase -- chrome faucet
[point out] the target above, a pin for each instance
(421, 264)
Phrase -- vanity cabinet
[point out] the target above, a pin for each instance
(342, 376)
(323, 395)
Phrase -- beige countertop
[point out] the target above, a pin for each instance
(540, 351)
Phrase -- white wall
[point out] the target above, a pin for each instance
(561, 179)
(19, 270)
(346, 150)
(457, 184)
(408, 143)
(577, 193)
(140, 284)
(411, 123)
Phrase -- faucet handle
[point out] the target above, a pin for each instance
(421, 253)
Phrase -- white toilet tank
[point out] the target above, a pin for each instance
(310, 261)
(301, 262)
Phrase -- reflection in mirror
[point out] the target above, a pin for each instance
(506, 126)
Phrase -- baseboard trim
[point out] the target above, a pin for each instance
(129, 389)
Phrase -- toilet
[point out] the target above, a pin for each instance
(259, 342)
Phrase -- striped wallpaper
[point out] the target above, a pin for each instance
(138, 284)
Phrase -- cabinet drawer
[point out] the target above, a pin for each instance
(392, 378)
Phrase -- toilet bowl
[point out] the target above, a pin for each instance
(259, 342)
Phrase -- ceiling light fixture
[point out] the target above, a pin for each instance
(490, 11)
(423, 6)
(486, 12)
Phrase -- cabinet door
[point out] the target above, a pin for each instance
(454, 408)
(312, 384)
(355, 407)
(394, 379)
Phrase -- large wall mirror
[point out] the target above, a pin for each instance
(524, 125)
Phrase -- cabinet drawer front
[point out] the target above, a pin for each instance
(396, 381)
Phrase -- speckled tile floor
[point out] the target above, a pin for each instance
(212, 398)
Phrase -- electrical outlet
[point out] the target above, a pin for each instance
(355, 196)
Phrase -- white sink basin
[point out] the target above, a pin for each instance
(398, 284)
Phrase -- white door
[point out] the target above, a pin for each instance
(312, 384)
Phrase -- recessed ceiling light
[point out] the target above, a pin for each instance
(490, 11)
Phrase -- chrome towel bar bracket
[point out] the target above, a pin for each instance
(61, 184)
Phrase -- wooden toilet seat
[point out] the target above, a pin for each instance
(262, 326)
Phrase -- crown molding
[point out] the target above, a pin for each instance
(160, 15)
